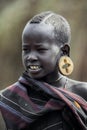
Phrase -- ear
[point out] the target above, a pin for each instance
(65, 49)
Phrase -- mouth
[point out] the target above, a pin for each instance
(34, 68)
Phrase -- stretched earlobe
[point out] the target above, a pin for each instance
(65, 65)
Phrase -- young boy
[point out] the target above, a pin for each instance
(43, 98)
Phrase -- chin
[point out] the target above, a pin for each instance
(35, 76)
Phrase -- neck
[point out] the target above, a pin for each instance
(52, 78)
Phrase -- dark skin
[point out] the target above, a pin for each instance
(40, 55)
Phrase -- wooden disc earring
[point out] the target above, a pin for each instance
(66, 65)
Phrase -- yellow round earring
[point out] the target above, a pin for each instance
(65, 65)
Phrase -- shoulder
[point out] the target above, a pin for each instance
(77, 87)
(7, 91)
(76, 83)
(12, 89)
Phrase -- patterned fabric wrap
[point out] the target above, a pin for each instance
(19, 111)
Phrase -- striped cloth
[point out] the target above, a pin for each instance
(20, 111)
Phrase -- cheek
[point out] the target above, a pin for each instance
(24, 60)
(50, 61)
(55, 55)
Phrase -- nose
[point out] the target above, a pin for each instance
(32, 57)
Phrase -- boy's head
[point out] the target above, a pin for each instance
(61, 27)
(42, 39)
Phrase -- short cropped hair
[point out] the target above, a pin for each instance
(62, 31)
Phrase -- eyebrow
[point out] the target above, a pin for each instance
(37, 44)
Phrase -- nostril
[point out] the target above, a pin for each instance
(31, 58)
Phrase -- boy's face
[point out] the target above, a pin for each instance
(40, 53)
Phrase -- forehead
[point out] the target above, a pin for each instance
(38, 32)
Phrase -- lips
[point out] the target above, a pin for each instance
(34, 67)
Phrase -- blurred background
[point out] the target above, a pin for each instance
(13, 16)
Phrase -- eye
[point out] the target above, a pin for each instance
(25, 48)
(42, 50)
